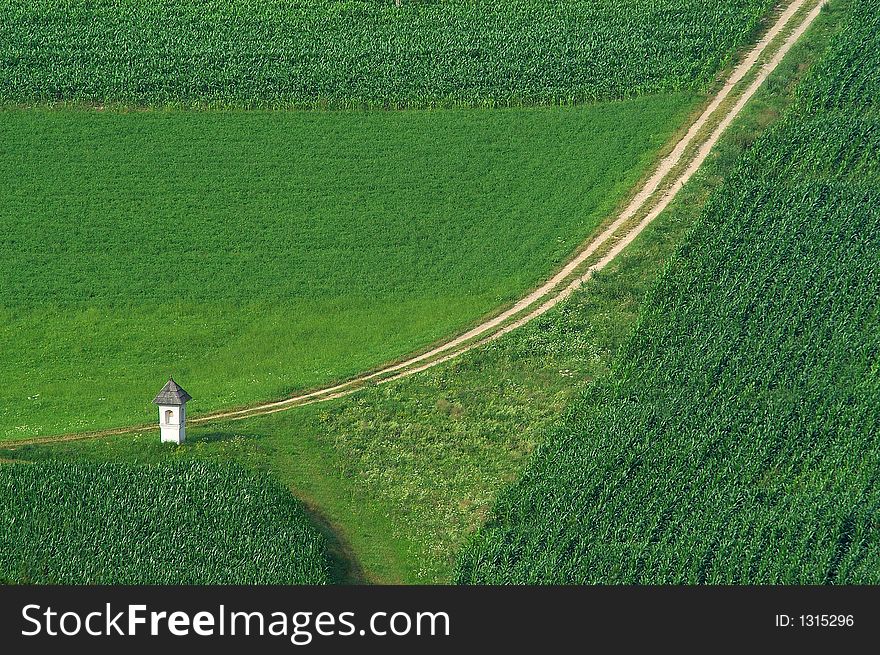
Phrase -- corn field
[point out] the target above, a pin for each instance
(363, 53)
(737, 439)
(180, 523)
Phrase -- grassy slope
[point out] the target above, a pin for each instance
(353, 53)
(254, 253)
(405, 472)
(178, 523)
(736, 439)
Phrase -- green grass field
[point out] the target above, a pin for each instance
(255, 253)
(737, 438)
(175, 523)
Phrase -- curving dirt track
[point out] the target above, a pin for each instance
(655, 195)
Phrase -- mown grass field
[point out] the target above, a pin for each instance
(174, 523)
(737, 438)
(400, 476)
(364, 53)
(254, 253)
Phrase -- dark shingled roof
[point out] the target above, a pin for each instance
(172, 394)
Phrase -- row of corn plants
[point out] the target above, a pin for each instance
(363, 53)
(174, 523)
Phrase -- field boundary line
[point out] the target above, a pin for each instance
(655, 195)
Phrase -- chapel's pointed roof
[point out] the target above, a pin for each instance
(172, 394)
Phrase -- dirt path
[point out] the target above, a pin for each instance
(656, 194)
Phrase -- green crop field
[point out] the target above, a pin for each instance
(400, 475)
(174, 523)
(357, 53)
(265, 198)
(737, 439)
(254, 253)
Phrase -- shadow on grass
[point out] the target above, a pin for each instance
(345, 569)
